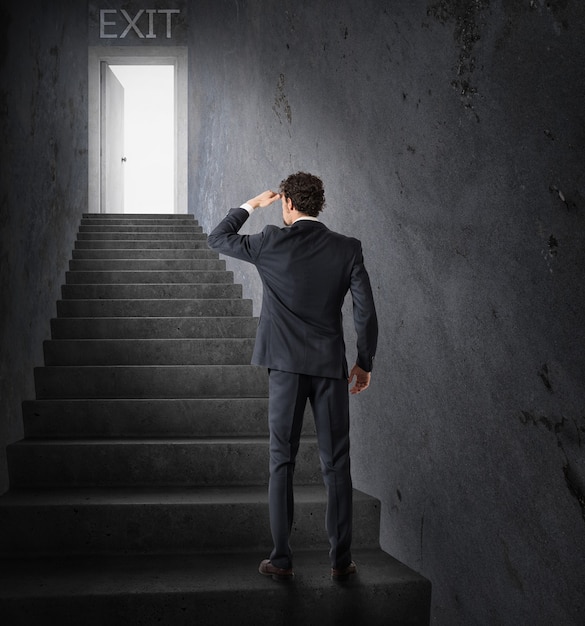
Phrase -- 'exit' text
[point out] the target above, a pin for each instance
(143, 23)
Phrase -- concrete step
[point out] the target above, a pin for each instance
(236, 307)
(132, 229)
(149, 417)
(139, 216)
(224, 351)
(140, 253)
(126, 265)
(157, 327)
(215, 590)
(173, 227)
(204, 462)
(123, 236)
(185, 520)
(128, 244)
(185, 220)
(154, 276)
(145, 291)
(151, 381)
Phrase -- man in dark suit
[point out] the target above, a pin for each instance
(306, 271)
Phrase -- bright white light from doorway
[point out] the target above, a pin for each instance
(149, 123)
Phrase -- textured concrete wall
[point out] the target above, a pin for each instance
(450, 138)
(43, 184)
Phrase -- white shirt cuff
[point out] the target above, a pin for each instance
(247, 207)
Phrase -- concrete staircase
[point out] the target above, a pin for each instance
(138, 495)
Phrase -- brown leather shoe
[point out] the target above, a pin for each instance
(278, 573)
(344, 572)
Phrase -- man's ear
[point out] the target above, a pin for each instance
(289, 204)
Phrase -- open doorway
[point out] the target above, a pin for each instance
(137, 130)
(148, 164)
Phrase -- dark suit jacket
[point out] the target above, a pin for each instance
(306, 271)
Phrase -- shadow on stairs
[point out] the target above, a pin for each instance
(138, 495)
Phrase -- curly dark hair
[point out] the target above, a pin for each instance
(305, 191)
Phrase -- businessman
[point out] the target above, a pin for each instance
(306, 271)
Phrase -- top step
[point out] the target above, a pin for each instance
(141, 216)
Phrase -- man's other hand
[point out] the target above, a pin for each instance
(362, 379)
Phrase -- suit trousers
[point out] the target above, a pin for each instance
(329, 399)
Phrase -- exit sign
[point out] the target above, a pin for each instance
(116, 24)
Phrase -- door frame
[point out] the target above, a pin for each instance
(131, 55)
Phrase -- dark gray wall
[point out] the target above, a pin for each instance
(43, 190)
(450, 137)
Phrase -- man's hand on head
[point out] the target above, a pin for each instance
(362, 379)
(265, 199)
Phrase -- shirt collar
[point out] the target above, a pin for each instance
(308, 217)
